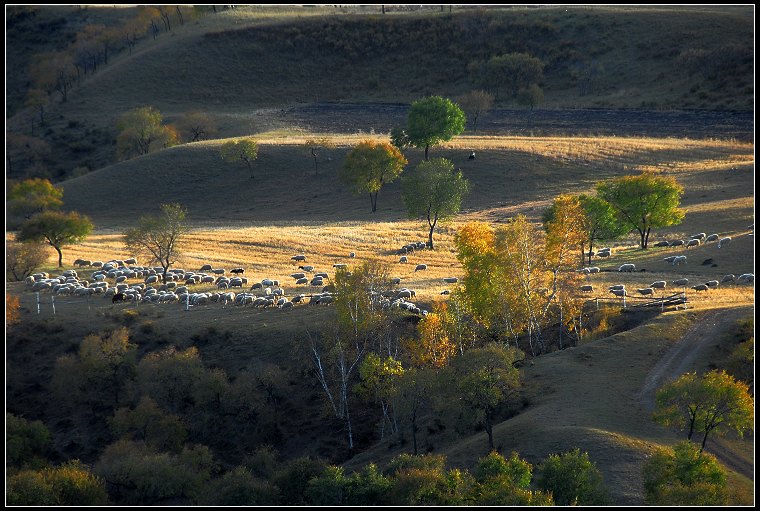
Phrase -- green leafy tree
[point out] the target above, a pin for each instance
(145, 476)
(399, 138)
(644, 202)
(239, 487)
(432, 120)
(148, 423)
(26, 441)
(245, 150)
(70, 484)
(32, 196)
(57, 228)
(370, 165)
(379, 380)
(684, 476)
(434, 191)
(713, 402)
(475, 104)
(572, 479)
(159, 237)
(142, 131)
(485, 379)
(501, 481)
(515, 71)
(423, 480)
(293, 479)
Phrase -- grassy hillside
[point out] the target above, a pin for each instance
(257, 57)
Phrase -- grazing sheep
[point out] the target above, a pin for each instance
(118, 297)
(446, 292)
(352, 254)
(694, 242)
(206, 267)
(298, 299)
(699, 236)
(594, 269)
(617, 287)
(627, 267)
(421, 267)
(286, 305)
(267, 282)
(302, 280)
(700, 287)
(237, 271)
(618, 292)
(669, 259)
(450, 280)
(676, 243)
(659, 284)
(207, 279)
(395, 281)
(712, 237)
(256, 285)
(603, 255)
(307, 269)
(712, 283)
(322, 275)
(679, 260)
(316, 282)
(661, 244)
(298, 258)
(728, 278)
(403, 259)
(724, 242)
(587, 288)
(218, 271)
(681, 282)
(746, 278)
(646, 291)
(340, 266)
(298, 275)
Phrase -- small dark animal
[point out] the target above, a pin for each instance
(237, 270)
(472, 155)
(118, 297)
(707, 262)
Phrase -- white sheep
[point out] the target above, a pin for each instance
(450, 280)
(403, 259)
(676, 243)
(694, 242)
(728, 278)
(699, 236)
(302, 280)
(681, 282)
(298, 275)
(619, 292)
(421, 267)
(679, 260)
(658, 284)
(669, 259)
(724, 242)
(746, 278)
(712, 283)
(307, 269)
(206, 267)
(617, 287)
(712, 237)
(298, 258)
(700, 287)
(627, 267)
(645, 291)
(661, 244)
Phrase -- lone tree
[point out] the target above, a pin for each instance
(474, 104)
(142, 131)
(315, 146)
(714, 401)
(245, 150)
(644, 201)
(57, 228)
(195, 126)
(159, 236)
(434, 191)
(370, 165)
(432, 120)
(33, 196)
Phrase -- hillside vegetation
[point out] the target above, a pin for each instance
(250, 58)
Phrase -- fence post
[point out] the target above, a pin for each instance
(38, 302)
(52, 300)
(597, 303)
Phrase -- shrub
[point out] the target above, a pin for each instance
(572, 479)
(23, 259)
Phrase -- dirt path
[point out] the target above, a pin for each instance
(681, 358)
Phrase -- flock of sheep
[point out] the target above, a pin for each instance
(693, 241)
(109, 279)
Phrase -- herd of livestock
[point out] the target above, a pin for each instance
(110, 279)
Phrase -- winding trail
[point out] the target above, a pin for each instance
(680, 359)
